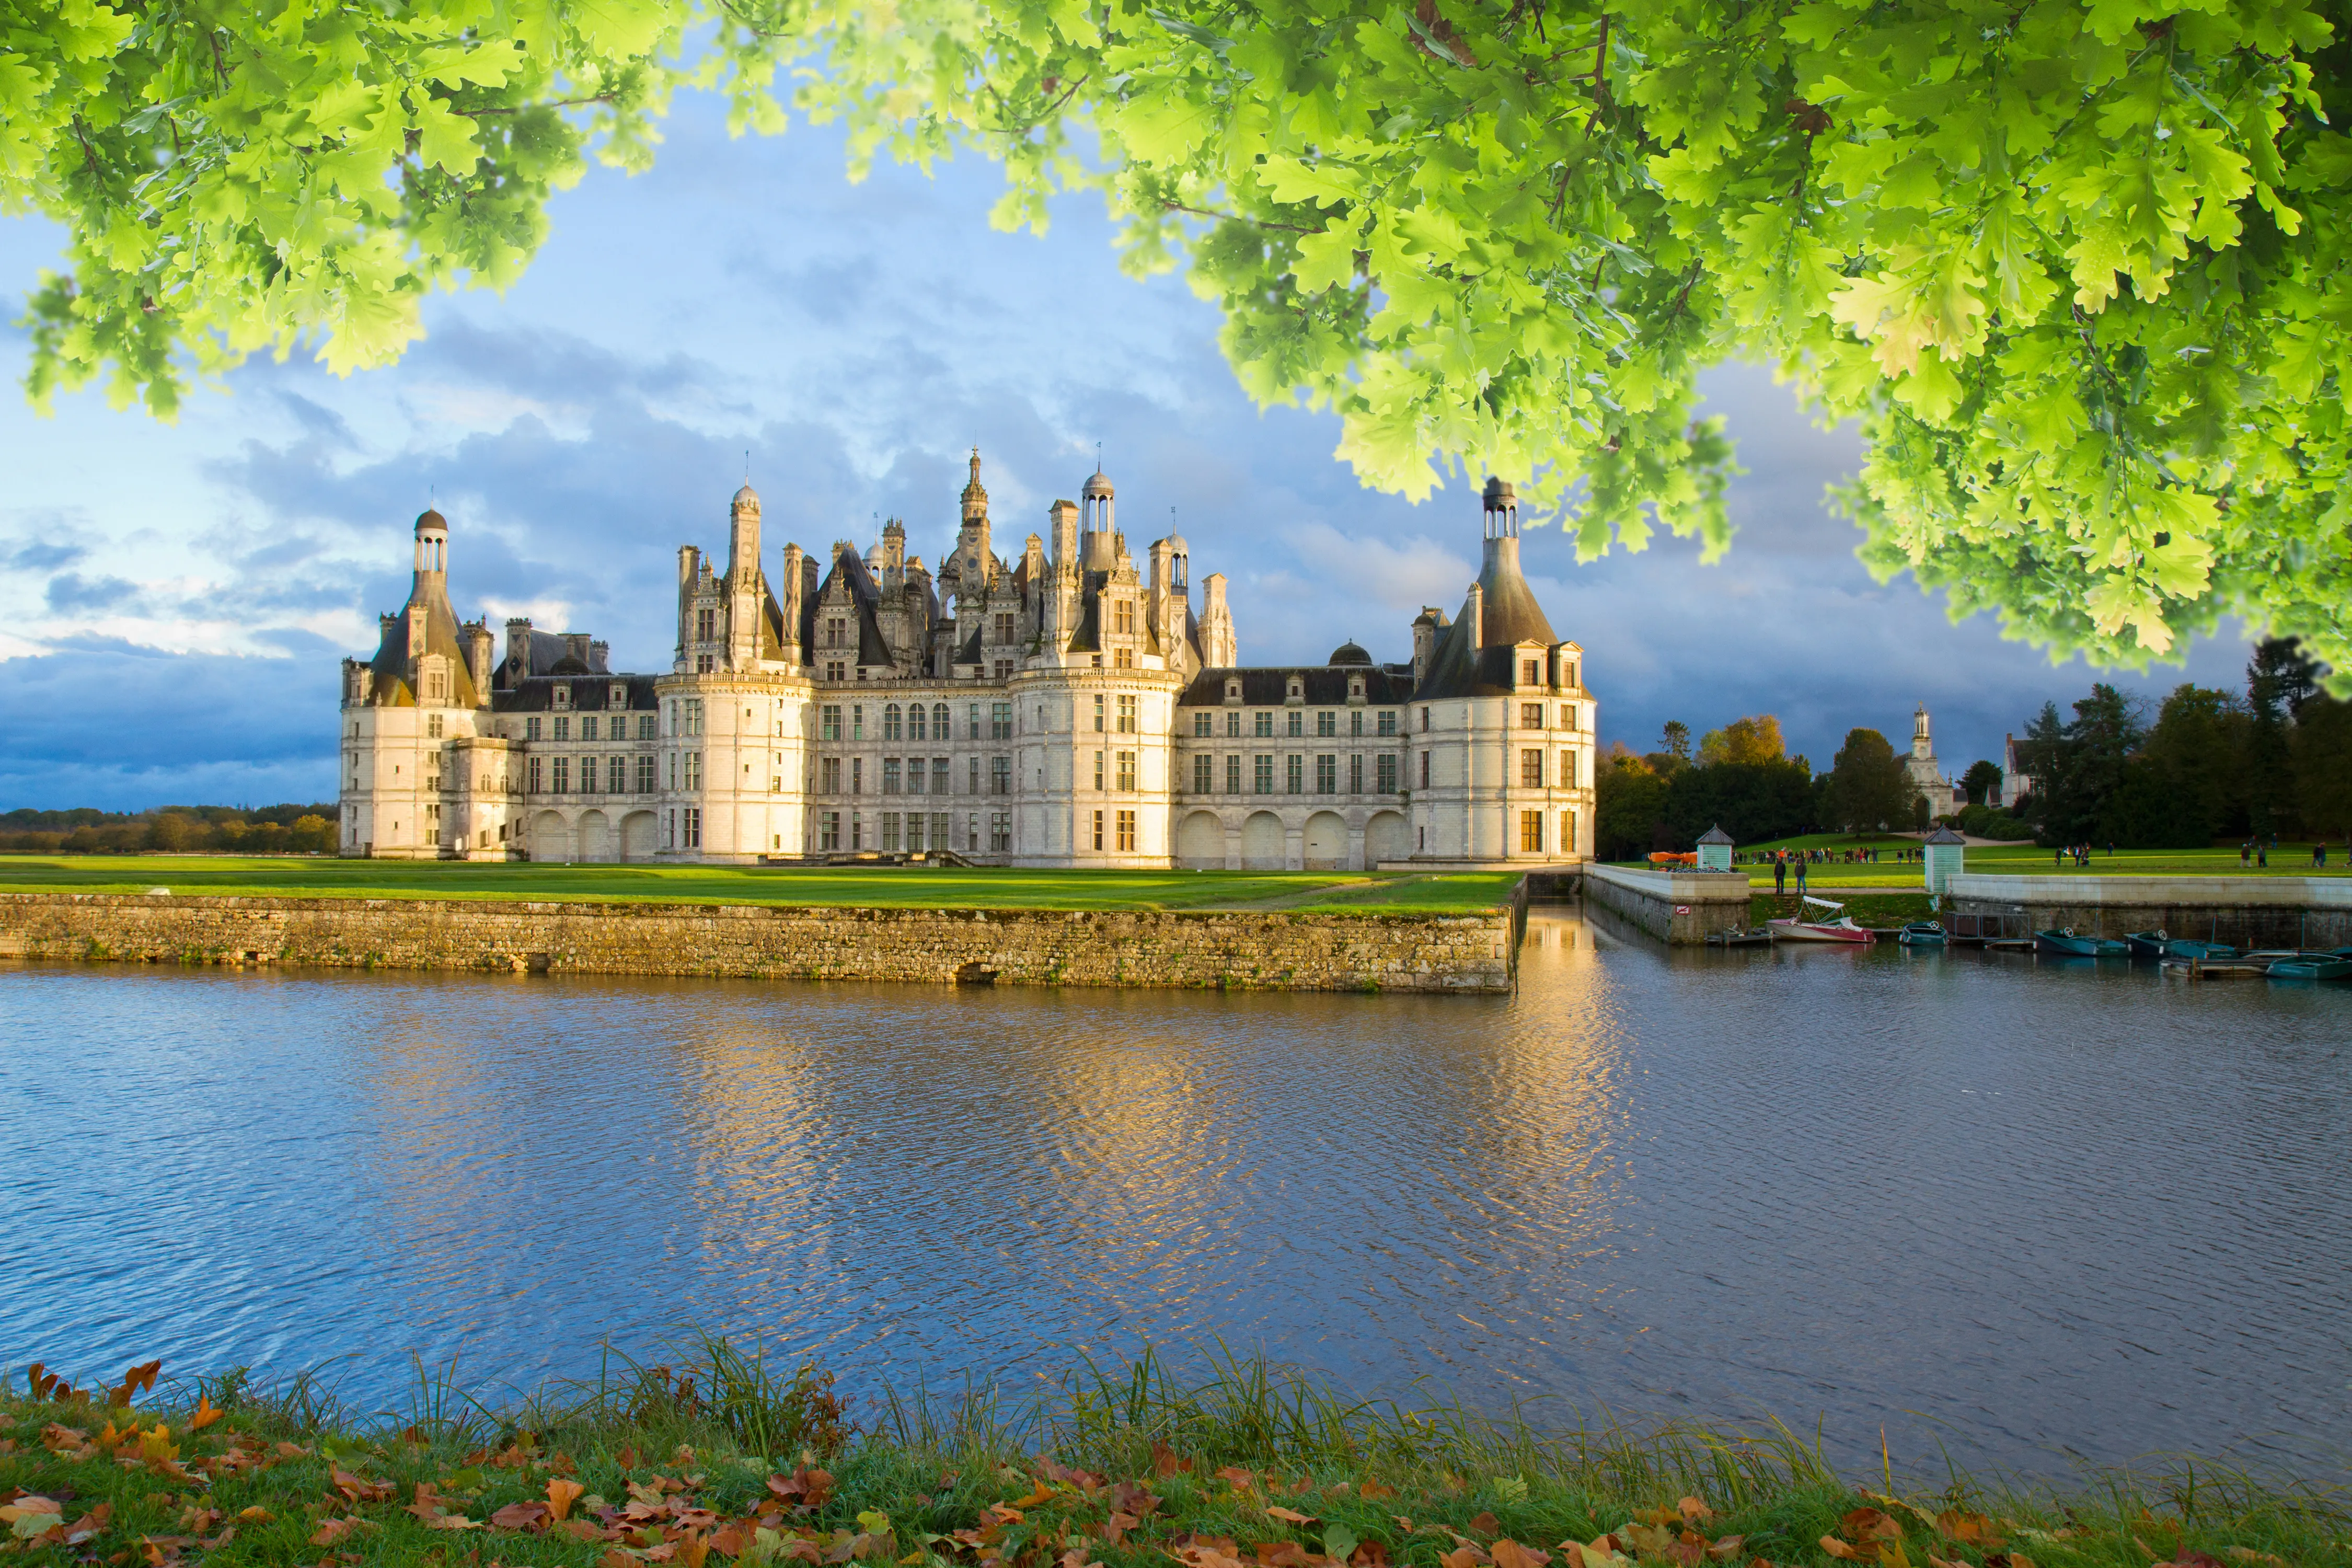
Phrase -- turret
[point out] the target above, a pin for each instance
(480, 647)
(743, 537)
(431, 551)
(1219, 648)
(1425, 627)
(791, 600)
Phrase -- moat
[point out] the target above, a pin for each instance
(2021, 1211)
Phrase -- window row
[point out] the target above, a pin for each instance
(912, 831)
(1531, 715)
(1122, 825)
(598, 775)
(590, 727)
(910, 775)
(911, 722)
(1294, 722)
(1381, 776)
(1532, 834)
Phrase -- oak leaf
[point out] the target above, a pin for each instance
(1509, 1554)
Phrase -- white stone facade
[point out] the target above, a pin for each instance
(1067, 710)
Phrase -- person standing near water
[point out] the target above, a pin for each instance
(1800, 878)
(1779, 875)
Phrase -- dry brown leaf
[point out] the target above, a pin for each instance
(1164, 1462)
(1289, 1515)
(520, 1515)
(1870, 1524)
(561, 1495)
(1509, 1554)
(1464, 1556)
(1725, 1548)
(1240, 1480)
(1695, 1510)
(1486, 1524)
(1373, 1491)
(1840, 1550)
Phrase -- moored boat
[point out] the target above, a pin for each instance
(1921, 933)
(2182, 947)
(1841, 929)
(2063, 943)
(2149, 945)
(2311, 966)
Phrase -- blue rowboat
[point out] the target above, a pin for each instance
(2311, 966)
(2149, 945)
(2064, 943)
(1921, 933)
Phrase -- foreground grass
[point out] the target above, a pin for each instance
(847, 887)
(1247, 1465)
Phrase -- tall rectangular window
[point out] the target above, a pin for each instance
(974, 781)
(856, 732)
(1261, 774)
(1295, 723)
(890, 830)
(1566, 775)
(1326, 723)
(564, 775)
(1568, 833)
(1327, 773)
(531, 728)
(1000, 831)
(1531, 715)
(828, 830)
(1098, 829)
(1125, 827)
(830, 774)
(1424, 770)
(1530, 672)
(1356, 722)
(890, 775)
(1531, 768)
(1568, 715)
(1384, 773)
(1204, 725)
(1233, 775)
(1127, 713)
(694, 715)
(914, 724)
(694, 828)
(1232, 724)
(975, 731)
(1100, 700)
(535, 774)
(892, 726)
(647, 782)
(914, 833)
(616, 775)
(587, 726)
(1127, 771)
(940, 838)
(1387, 724)
(1205, 774)
(1098, 770)
(1294, 773)
(829, 722)
(999, 720)
(940, 785)
(914, 775)
(1356, 772)
(1000, 776)
(693, 770)
(1262, 723)
(1532, 832)
(562, 729)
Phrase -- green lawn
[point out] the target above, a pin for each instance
(848, 887)
(2027, 860)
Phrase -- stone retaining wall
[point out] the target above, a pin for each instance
(1280, 950)
(1678, 908)
(2244, 911)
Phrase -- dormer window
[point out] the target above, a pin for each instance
(1122, 616)
(1355, 689)
(1530, 672)
(836, 632)
(1297, 689)
(618, 697)
(562, 694)
(1233, 690)
(706, 624)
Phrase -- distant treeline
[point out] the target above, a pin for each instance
(273, 829)
(2210, 765)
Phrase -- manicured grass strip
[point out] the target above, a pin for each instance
(828, 888)
(716, 1457)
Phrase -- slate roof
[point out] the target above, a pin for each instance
(1508, 616)
(1325, 685)
(390, 687)
(590, 694)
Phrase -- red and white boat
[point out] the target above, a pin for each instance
(1800, 927)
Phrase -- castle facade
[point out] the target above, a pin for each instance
(1067, 708)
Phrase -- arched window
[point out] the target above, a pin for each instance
(891, 722)
(915, 725)
(940, 720)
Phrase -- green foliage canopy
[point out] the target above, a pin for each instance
(2078, 267)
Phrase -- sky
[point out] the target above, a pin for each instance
(177, 597)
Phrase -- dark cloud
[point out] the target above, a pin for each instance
(70, 591)
(45, 555)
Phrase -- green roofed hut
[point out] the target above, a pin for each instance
(1946, 857)
(1714, 850)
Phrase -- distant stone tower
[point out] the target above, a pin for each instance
(1926, 774)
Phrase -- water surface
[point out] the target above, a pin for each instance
(2025, 1210)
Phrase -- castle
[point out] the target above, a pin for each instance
(1069, 710)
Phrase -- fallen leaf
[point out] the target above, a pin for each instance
(257, 1515)
(1164, 1462)
(1725, 1548)
(1467, 1556)
(1115, 1529)
(452, 1521)
(206, 1415)
(331, 1531)
(1968, 1528)
(1289, 1515)
(1373, 1491)
(1840, 1550)
(520, 1515)
(1695, 1510)
(1870, 1524)
(1486, 1524)
(1509, 1554)
(1241, 1480)
(561, 1495)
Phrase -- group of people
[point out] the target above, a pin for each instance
(2256, 852)
(2078, 853)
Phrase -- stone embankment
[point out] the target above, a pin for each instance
(1264, 950)
(2245, 911)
